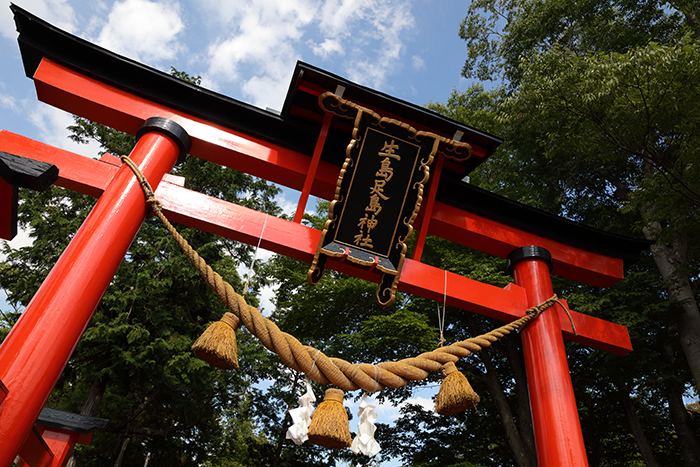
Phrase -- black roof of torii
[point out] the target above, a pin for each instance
(298, 124)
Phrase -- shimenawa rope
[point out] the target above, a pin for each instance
(314, 363)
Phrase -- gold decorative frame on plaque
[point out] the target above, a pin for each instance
(370, 219)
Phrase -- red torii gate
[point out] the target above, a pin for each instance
(88, 81)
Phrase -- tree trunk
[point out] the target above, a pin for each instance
(681, 421)
(691, 15)
(521, 454)
(670, 259)
(636, 426)
(94, 397)
(593, 448)
(276, 459)
(517, 365)
(285, 423)
(690, 449)
(118, 463)
(92, 404)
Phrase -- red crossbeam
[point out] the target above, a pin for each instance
(87, 97)
(229, 220)
(63, 305)
(38, 347)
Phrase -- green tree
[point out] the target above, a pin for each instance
(556, 160)
(133, 364)
(595, 109)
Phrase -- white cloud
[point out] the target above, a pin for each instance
(288, 202)
(58, 12)
(8, 102)
(266, 294)
(52, 124)
(417, 62)
(143, 30)
(428, 404)
(326, 48)
(267, 297)
(336, 21)
(21, 239)
(388, 22)
(266, 39)
(267, 91)
(370, 32)
(262, 39)
(277, 11)
(337, 15)
(388, 413)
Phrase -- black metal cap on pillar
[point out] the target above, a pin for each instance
(168, 128)
(529, 252)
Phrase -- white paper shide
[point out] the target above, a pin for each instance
(301, 417)
(364, 442)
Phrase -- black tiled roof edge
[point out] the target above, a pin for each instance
(40, 39)
(70, 421)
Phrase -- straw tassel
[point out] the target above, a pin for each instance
(456, 394)
(329, 426)
(217, 345)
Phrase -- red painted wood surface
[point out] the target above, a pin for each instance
(239, 223)
(39, 345)
(89, 98)
(34, 451)
(53, 450)
(423, 224)
(80, 95)
(300, 242)
(313, 166)
(555, 421)
(61, 443)
(75, 172)
(3, 391)
(8, 211)
(499, 240)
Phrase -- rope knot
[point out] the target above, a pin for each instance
(535, 311)
(156, 206)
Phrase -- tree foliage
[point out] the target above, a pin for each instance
(133, 364)
(595, 108)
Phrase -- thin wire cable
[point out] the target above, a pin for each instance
(441, 319)
(334, 371)
(252, 264)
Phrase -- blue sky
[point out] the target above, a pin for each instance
(247, 49)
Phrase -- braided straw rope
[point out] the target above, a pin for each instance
(314, 363)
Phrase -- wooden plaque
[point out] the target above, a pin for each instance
(378, 193)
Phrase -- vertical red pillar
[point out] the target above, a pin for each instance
(8, 210)
(60, 442)
(558, 436)
(37, 349)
